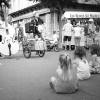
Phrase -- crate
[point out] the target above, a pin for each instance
(40, 45)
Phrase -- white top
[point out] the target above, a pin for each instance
(55, 37)
(83, 69)
(77, 31)
(67, 28)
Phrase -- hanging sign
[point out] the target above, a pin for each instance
(72, 14)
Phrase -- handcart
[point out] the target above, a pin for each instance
(33, 45)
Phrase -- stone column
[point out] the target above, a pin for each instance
(24, 21)
(48, 25)
(56, 24)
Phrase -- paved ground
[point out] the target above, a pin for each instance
(27, 79)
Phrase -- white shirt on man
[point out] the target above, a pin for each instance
(67, 28)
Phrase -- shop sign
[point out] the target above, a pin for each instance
(81, 14)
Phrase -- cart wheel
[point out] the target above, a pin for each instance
(48, 48)
(27, 52)
(41, 53)
(56, 48)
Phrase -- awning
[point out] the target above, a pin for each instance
(29, 15)
(80, 14)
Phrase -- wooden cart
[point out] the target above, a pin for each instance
(32, 45)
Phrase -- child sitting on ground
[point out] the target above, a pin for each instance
(66, 80)
(95, 61)
(80, 61)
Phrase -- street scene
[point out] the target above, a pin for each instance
(49, 50)
(28, 79)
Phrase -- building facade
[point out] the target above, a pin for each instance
(22, 11)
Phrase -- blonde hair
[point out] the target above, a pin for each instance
(65, 61)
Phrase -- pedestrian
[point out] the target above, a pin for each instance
(34, 26)
(73, 41)
(77, 31)
(20, 33)
(82, 41)
(1, 28)
(97, 35)
(37, 22)
(80, 61)
(66, 80)
(67, 29)
(9, 37)
(91, 29)
(95, 59)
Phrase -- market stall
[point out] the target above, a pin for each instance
(87, 20)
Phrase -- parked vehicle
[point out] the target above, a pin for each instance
(52, 46)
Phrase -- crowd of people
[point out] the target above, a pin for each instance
(74, 33)
(78, 33)
(71, 70)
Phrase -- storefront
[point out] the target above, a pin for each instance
(83, 18)
(48, 17)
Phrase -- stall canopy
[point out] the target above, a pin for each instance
(78, 14)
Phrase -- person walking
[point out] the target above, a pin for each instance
(67, 29)
(77, 31)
